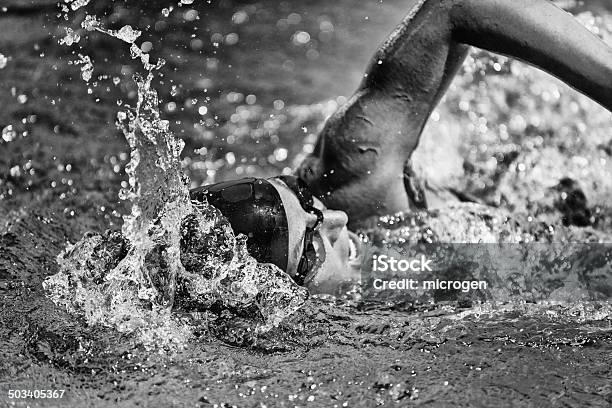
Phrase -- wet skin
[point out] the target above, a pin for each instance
(361, 160)
(336, 261)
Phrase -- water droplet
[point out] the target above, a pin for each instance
(279, 104)
(3, 61)
(240, 17)
(128, 34)
(231, 39)
(301, 38)
(71, 37)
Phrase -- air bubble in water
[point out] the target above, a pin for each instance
(3, 61)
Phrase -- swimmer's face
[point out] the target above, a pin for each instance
(336, 247)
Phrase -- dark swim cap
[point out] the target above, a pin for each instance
(254, 208)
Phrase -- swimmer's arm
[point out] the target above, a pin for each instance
(360, 160)
(540, 33)
(423, 54)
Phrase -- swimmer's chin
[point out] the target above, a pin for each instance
(340, 278)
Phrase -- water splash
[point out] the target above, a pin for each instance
(87, 68)
(128, 280)
(125, 33)
(168, 245)
(8, 133)
(77, 4)
(171, 254)
(71, 37)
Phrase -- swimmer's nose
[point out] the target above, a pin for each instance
(333, 224)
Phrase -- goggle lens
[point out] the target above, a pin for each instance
(309, 254)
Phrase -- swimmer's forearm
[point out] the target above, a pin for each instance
(540, 33)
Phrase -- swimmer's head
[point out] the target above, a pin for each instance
(287, 226)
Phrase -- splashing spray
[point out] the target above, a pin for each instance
(167, 244)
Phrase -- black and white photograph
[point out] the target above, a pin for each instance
(321, 203)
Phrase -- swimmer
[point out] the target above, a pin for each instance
(362, 157)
